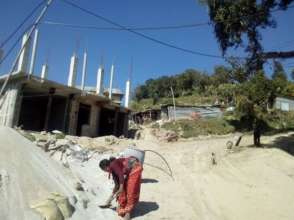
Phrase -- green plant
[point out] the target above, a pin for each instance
(193, 128)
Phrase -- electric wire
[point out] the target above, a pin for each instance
(14, 45)
(34, 26)
(172, 27)
(10, 36)
(139, 33)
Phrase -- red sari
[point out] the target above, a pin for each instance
(132, 183)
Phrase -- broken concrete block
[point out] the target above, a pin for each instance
(73, 200)
(63, 204)
(56, 132)
(79, 186)
(85, 203)
(48, 209)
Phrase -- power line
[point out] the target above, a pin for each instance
(171, 27)
(14, 45)
(168, 27)
(10, 36)
(140, 34)
(34, 26)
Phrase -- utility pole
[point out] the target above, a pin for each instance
(172, 91)
(43, 12)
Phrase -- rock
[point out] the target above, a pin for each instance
(63, 204)
(43, 132)
(137, 135)
(48, 209)
(85, 203)
(56, 132)
(79, 187)
(213, 159)
(111, 140)
(55, 207)
(73, 200)
(170, 136)
(229, 145)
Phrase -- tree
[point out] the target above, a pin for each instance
(226, 92)
(221, 75)
(279, 78)
(141, 92)
(237, 24)
(279, 72)
(252, 101)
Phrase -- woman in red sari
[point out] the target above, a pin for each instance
(126, 173)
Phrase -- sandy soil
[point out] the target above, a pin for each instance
(246, 183)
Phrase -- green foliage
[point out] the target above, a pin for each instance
(194, 99)
(280, 121)
(238, 24)
(194, 128)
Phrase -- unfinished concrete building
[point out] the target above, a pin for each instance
(38, 104)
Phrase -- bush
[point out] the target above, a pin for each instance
(280, 121)
(193, 128)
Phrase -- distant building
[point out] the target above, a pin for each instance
(183, 112)
(117, 94)
(284, 104)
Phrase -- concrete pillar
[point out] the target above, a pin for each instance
(44, 73)
(72, 75)
(12, 103)
(73, 117)
(94, 120)
(24, 56)
(48, 109)
(111, 81)
(34, 51)
(66, 113)
(128, 87)
(84, 71)
(100, 78)
(18, 106)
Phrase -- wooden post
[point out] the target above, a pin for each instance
(172, 91)
(48, 109)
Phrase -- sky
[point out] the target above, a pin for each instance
(150, 60)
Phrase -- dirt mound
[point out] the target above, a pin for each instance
(35, 187)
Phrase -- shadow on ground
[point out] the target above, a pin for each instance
(285, 143)
(147, 180)
(142, 208)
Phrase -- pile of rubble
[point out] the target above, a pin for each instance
(164, 135)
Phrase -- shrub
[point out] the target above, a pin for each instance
(193, 128)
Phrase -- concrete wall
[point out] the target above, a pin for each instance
(284, 104)
(8, 104)
(186, 112)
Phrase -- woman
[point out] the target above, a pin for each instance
(126, 173)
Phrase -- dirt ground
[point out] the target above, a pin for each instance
(243, 183)
(247, 183)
